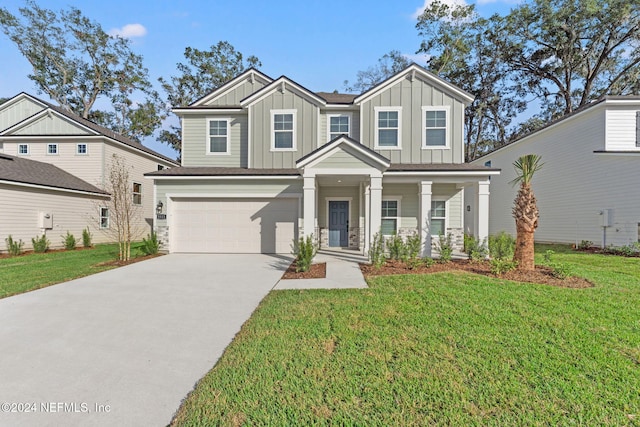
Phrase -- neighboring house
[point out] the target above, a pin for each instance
(266, 161)
(36, 130)
(38, 196)
(589, 185)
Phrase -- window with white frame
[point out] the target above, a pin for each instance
(23, 149)
(52, 148)
(339, 124)
(218, 136)
(438, 217)
(388, 127)
(104, 217)
(137, 193)
(390, 215)
(81, 149)
(283, 136)
(435, 133)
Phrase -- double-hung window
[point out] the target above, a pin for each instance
(23, 149)
(390, 215)
(81, 149)
(137, 193)
(104, 217)
(339, 124)
(52, 149)
(435, 132)
(438, 217)
(388, 132)
(218, 136)
(283, 133)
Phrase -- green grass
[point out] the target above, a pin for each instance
(443, 349)
(34, 271)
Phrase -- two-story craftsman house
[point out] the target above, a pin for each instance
(266, 161)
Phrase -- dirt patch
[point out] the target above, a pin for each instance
(317, 271)
(541, 275)
(118, 263)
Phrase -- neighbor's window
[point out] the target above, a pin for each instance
(52, 148)
(435, 127)
(389, 223)
(81, 149)
(338, 125)
(388, 128)
(104, 217)
(438, 216)
(23, 149)
(284, 134)
(160, 167)
(218, 137)
(137, 193)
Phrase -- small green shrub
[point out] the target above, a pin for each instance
(395, 247)
(87, 238)
(69, 241)
(632, 250)
(150, 244)
(500, 266)
(502, 245)
(304, 250)
(445, 247)
(413, 246)
(475, 249)
(377, 256)
(40, 244)
(559, 270)
(584, 245)
(427, 262)
(14, 247)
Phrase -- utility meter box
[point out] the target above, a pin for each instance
(45, 220)
(606, 218)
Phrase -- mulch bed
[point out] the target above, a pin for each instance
(118, 263)
(541, 275)
(317, 271)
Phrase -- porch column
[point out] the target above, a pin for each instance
(367, 218)
(425, 217)
(375, 211)
(309, 206)
(482, 211)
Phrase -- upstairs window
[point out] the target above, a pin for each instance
(23, 149)
(435, 130)
(283, 137)
(52, 149)
(218, 137)
(81, 149)
(137, 193)
(339, 124)
(388, 129)
(438, 217)
(390, 215)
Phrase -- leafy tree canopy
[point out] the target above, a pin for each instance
(388, 65)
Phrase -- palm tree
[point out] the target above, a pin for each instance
(525, 210)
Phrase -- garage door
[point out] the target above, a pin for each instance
(233, 225)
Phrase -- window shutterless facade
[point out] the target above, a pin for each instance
(52, 149)
(218, 133)
(23, 149)
(104, 217)
(81, 149)
(137, 193)
(283, 133)
(438, 217)
(388, 131)
(435, 128)
(390, 216)
(338, 124)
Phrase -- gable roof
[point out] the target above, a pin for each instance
(25, 171)
(230, 85)
(416, 71)
(280, 83)
(18, 97)
(337, 98)
(336, 142)
(94, 128)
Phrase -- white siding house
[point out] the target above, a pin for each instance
(588, 187)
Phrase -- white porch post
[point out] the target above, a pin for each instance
(375, 210)
(425, 217)
(367, 218)
(309, 206)
(482, 211)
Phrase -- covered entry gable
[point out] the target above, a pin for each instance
(343, 153)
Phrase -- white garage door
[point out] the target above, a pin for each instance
(233, 225)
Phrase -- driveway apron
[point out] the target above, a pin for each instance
(124, 347)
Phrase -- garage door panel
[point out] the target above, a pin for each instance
(233, 226)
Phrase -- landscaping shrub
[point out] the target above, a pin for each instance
(40, 244)
(413, 247)
(150, 244)
(632, 250)
(427, 262)
(559, 270)
(476, 250)
(87, 238)
(304, 250)
(502, 245)
(499, 266)
(14, 247)
(445, 247)
(584, 245)
(377, 256)
(69, 241)
(396, 247)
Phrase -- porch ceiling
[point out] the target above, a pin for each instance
(340, 180)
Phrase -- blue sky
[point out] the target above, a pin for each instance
(319, 44)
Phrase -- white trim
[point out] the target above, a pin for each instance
(372, 172)
(278, 84)
(348, 115)
(249, 127)
(398, 200)
(328, 150)
(208, 151)
(49, 112)
(54, 144)
(100, 216)
(376, 112)
(617, 152)
(273, 113)
(227, 177)
(274, 195)
(441, 173)
(18, 97)
(231, 85)
(86, 149)
(51, 188)
(447, 214)
(134, 193)
(23, 154)
(349, 201)
(188, 111)
(447, 110)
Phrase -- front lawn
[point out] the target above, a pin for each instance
(439, 349)
(33, 271)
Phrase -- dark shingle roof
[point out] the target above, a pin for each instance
(218, 171)
(337, 98)
(18, 169)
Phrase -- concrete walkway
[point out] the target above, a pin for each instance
(343, 272)
(124, 347)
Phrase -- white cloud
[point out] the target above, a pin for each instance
(450, 3)
(129, 31)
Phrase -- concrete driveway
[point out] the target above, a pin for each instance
(124, 347)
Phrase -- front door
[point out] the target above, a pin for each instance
(338, 224)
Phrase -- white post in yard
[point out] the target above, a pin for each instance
(375, 211)
(425, 217)
(482, 211)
